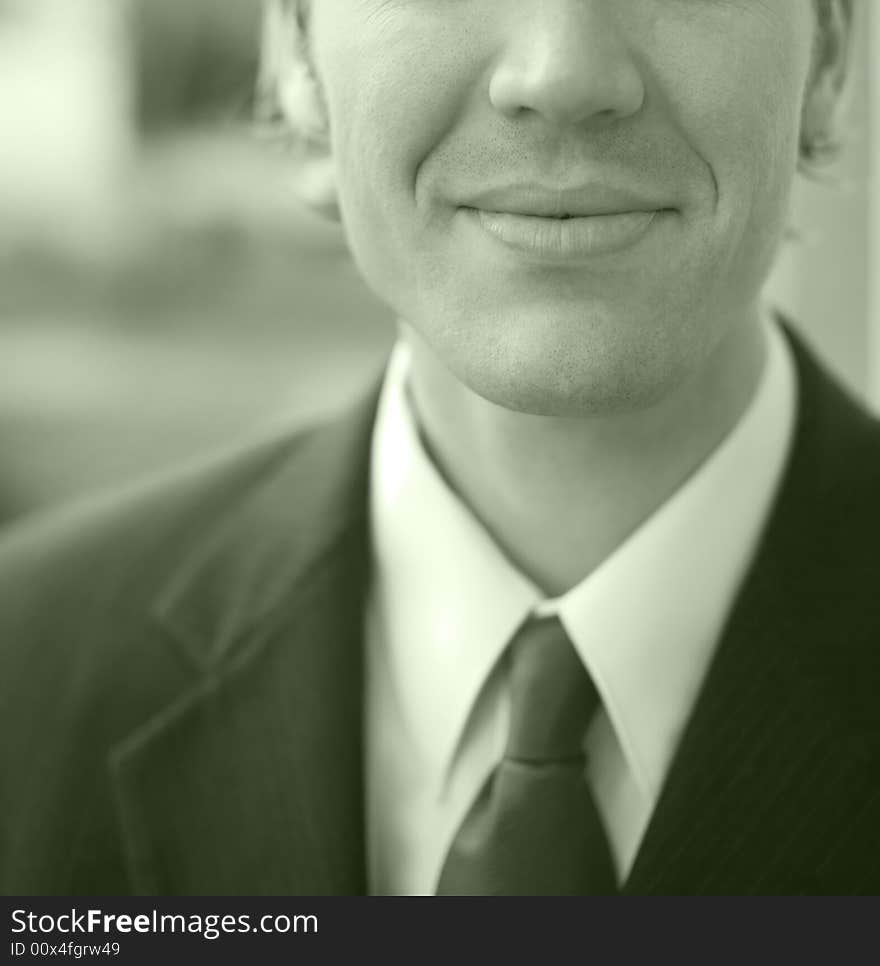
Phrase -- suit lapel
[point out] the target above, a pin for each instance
(252, 782)
(773, 768)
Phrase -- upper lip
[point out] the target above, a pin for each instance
(539, 200)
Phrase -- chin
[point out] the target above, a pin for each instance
(573, 370)
(582, 392)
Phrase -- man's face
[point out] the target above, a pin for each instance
(463, 129)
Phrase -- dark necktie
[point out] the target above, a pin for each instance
(534, 829)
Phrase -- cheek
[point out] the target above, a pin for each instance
(376, 135)
(393, 91)
(737, 102)
(737, 96)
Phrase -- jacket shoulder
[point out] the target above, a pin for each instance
(82, 664)
(117, 544)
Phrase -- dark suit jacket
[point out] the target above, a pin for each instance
(181, 677)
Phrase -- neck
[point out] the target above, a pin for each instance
(559, 494)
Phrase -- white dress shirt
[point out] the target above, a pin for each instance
(444, 603)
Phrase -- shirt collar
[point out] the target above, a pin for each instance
(447, 600)
(645, 622)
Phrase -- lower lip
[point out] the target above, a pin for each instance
(565, 239)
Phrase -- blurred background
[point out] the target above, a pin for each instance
(163, 293)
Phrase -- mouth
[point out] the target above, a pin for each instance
(566, 236)
(597, 196)
(537, 212)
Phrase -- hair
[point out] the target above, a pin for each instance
(285, 100)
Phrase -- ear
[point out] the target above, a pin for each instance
(292, 102)
(828, 76)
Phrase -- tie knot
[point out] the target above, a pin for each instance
(552, 697)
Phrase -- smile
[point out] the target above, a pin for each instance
(565, 236)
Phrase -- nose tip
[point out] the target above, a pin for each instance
(569, 65)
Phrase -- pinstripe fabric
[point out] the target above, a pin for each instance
(776, 784)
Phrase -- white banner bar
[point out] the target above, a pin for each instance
(874, 202)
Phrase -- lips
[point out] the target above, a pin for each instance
(565, 202)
